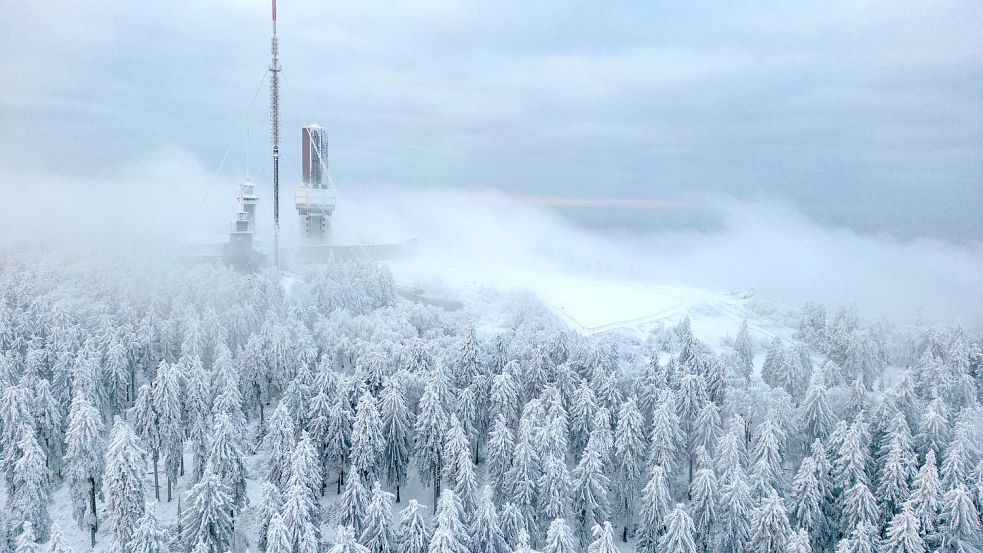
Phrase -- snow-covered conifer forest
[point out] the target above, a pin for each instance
(151, 407)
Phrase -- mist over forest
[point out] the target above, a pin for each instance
(551, 277)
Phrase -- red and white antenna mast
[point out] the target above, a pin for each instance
(275, 138)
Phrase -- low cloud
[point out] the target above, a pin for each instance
(480, 235)
(769, 247)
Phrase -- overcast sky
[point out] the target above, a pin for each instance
(862, 113)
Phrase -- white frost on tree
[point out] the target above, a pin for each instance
(378, 534)
(679, 532)
(345, 542)
(769, 526)
(30, 500)
(84, 461)
(368, 443)
(486, 534)
(413, 532)
(123, 477)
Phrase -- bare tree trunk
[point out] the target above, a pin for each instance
(436, 489)
(156, 479)
(397, 493)
(92, 505)
(179, 517)
(689, 496)
(132, 391)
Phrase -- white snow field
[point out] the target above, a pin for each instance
(596, 304)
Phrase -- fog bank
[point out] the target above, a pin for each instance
(767, 246)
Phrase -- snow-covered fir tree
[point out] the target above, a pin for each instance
(666, 437)
(859, 506)
(799, 542)
(207, 522)
(485, 533)
(378, 534)
(655, 504)
(31, 489)
(630, 453)
(84, 460)
(56, 544)
(450, 534)
(300, 499)
(806, 499)
(559, 538)
(744, 349)
(430, 430)
(933, 429)
(865, 538)
(277, 539)
(279, 443)
(770, 528)
(706, 431)
(960, 454)
(49, 426)
(925, 502)
(736, 507)
(368, 443)
(499, 455)
(902, 534)
(226, 458)
(513, 523)
(679, 532)
(766, 470)
(522, 480)
(413, 532)
(166, 392)
(270, 506)
(458, 469)
(26, 540)
(817, 418)
(151, 536)
(345, 541)
(590, 488)
(704, 494)
(603, 539)
(960, 522)
(397, 425)
(353, 503)
(897, 467)
(338, 440)
(124, 484)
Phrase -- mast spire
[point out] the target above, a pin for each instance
(275, 138)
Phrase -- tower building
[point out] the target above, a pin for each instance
(239, 251)
(316, 197)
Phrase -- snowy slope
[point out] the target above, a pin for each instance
(595, 304)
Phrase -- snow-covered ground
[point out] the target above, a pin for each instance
(592, 304)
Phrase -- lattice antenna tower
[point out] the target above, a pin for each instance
(275, 138)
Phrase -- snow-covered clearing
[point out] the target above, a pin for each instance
(592, 304)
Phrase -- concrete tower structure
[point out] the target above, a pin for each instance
(316, 197)
(239, 251)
